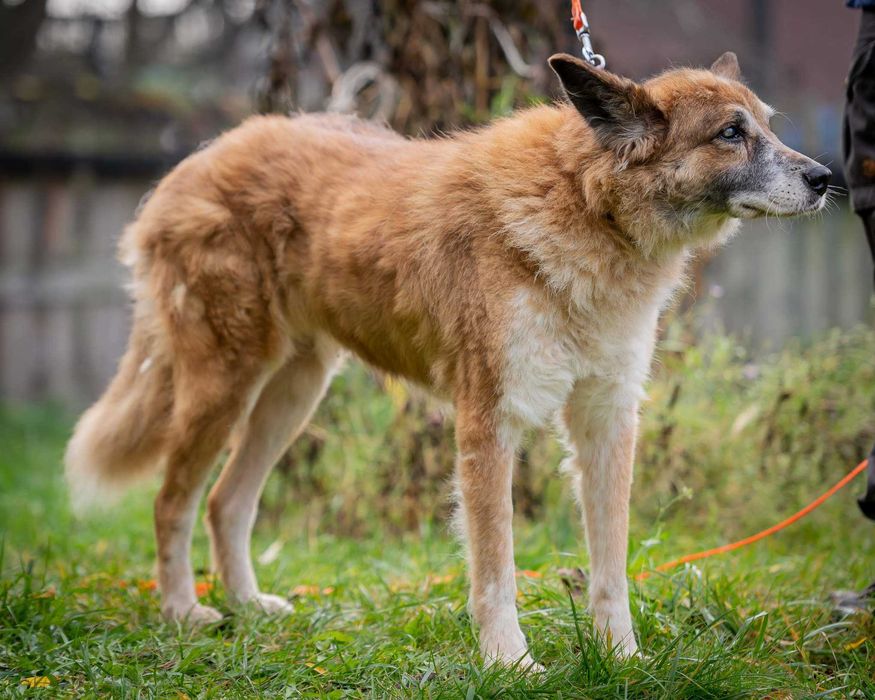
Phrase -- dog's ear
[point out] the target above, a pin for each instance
(727, 66)
(622, 114)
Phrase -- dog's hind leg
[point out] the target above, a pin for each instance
(281, 412)
(208, 403)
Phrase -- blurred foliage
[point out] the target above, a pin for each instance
(130, 83)
(721, 433)
(449, 64)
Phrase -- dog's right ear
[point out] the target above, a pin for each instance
(622, 114)
(727, 66)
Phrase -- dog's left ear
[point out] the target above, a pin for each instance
(621, 113)
(727, 66)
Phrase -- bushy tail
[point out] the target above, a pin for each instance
(122, 436)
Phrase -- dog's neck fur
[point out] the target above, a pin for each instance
(581, 221)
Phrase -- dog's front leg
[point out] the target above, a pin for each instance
(601, 418)
(484, 471)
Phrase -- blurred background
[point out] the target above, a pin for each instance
(99, 98)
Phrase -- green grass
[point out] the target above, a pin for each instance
(383, 615)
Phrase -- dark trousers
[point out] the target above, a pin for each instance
(869, 225)
(858, 146)
(858, 133)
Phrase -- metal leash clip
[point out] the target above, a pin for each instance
(587, 50)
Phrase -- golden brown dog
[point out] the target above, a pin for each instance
(518, 271)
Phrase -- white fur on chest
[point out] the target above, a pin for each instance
(545, 354)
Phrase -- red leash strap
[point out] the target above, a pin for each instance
(859, 469)
(576, 15)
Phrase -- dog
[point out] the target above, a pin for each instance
(517, 271)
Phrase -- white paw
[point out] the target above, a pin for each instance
(502, 641)
(196, 615)
(627, 648)
(271, 604)
(523, 662)
(507, 647)
(531, 666)
(614, 624)
(621, 639)
(526, 664)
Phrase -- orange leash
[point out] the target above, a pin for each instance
(859, 469)
(576, 15)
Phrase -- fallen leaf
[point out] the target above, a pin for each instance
(528, 573)
(853, 645)
(575, 581)
(321, 671)
(305, 590)
(36, 682)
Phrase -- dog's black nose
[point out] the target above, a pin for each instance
(817, 177)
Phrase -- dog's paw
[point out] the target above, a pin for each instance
(502, 642)
(622, 643)
(613, 624)
(523, 662)
(271, 604)
(529, 665)
(627, 649)
(196, 615)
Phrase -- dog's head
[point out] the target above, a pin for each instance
(694, 144)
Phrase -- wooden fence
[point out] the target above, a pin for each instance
(781, 278)
(63, 310)
(64, 314)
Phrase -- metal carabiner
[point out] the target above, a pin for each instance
(587, 50)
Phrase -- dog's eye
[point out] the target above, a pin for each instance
(731, 133)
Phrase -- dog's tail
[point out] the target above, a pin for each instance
(122, 436)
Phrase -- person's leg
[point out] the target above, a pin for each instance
(867, 502)
(858, 151)
(858, 145)
(858, 127)
(868, 218)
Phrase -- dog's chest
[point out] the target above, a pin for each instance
(546, 352)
